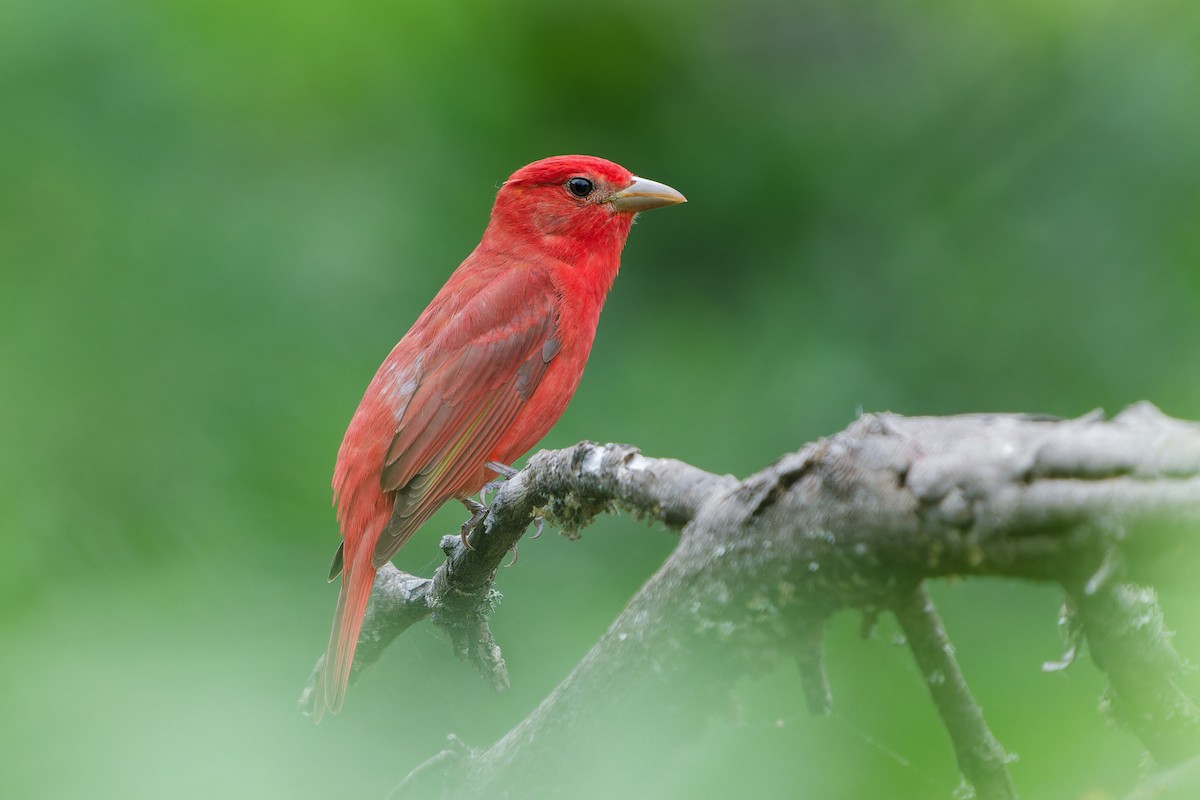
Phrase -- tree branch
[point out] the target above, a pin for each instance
(857, 520)
(567, 488)
(1129, 640)
(981, 759)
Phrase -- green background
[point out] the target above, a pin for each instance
(217, 217)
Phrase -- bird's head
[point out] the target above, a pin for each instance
(574, 204)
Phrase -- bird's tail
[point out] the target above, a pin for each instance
(357, 580)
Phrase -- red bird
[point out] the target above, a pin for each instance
(484, 372)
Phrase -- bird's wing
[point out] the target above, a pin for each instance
(484, 368)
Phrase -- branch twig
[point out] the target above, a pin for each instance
(1130, 642)
(981, 759)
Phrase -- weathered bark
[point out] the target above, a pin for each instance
(858, 520)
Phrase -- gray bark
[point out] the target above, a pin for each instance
(858, 520)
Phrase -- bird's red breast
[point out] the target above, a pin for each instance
(483, 373)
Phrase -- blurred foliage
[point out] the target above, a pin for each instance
(217, 217)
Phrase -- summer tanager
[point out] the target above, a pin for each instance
(483, 373)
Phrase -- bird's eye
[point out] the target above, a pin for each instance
(580, 187)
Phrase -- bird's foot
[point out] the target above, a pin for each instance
(479, 513)
(538, 522)
(504, 471)
(501, 469)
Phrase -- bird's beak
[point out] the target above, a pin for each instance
(643, 195)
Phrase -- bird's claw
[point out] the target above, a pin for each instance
(479, 513)
(537, 523)
(479, 509)
(504, 471)
(488, 488)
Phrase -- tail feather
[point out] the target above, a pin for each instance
(357, 580)
(358, 569)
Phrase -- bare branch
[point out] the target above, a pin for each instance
(981, 759)
(1129, 640)
(853, 521)
(810, 658)
(566, 487)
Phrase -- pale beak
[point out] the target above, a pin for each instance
(643, 195)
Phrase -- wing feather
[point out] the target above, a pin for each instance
(461, 407)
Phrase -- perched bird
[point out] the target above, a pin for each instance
(482, 375)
